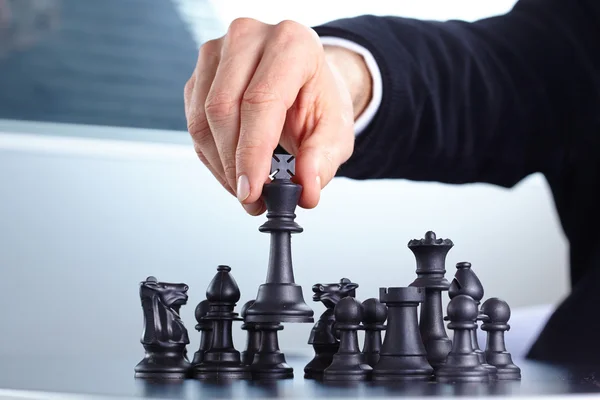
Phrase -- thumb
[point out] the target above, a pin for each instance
(318, 160)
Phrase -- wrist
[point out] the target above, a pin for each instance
(353, 69)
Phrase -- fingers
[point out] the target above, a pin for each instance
(329, 145)
(289, 61)
(196, 92)
(242, 49)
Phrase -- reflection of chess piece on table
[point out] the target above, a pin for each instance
(280, 299)
(164, 337)
(430, 253)
(322, 337)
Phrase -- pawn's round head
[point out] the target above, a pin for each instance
(374, 311)
(245, 308)
(201, 310)
(462, 308)
(496, 310)
(349, 311)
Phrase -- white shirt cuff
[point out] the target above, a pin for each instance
(365, 118)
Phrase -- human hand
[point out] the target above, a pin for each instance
(262, 85)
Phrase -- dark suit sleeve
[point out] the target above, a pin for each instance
(487, 101)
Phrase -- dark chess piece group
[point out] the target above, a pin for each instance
(399, 342)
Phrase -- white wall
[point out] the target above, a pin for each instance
(83, 221)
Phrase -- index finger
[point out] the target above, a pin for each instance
(286, 66)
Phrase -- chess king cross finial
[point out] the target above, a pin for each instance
(283, 166)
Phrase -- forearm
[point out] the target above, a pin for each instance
(467, 102)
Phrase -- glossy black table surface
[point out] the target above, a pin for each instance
(93, 378)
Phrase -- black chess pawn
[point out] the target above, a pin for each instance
(496, 315)
(280, 299)
(430, 253)
(164, 337)
(402, 355)
(252, 336)
(205, 328)
(466, 282)
(348, 363)
(322, 336)
(269, 362)
(463, 363)
(374, 316)
(222, 360)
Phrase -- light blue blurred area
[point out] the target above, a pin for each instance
(83, 221)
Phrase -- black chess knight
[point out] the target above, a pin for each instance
(322, 337)
(164, 337)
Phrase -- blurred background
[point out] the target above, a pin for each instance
(100, 187)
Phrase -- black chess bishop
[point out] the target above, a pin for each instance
(222, 361)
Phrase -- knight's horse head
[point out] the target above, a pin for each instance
(331, 293)
(172, 295)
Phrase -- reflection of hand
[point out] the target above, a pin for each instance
(261, 85)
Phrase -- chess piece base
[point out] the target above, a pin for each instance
(402, 368)
(222, 371)
(347, 367)
(279, 302)
(476, 374)
(322, 359)
(167, 365)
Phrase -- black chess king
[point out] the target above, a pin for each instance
(280, 299)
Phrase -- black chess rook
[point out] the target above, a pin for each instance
(430, 253)
(402, 355)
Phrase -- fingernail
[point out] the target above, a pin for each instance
(253, 208)
(243, 188)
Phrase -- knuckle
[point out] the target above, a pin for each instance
(219, 105)
(259, 95)
(289, 29)
(199, 130)
(241, 26)
(210, 48)
(229, 168)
